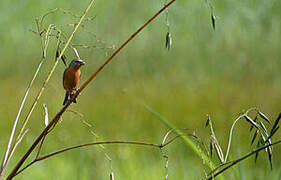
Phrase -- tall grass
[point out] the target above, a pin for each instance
(217, 72)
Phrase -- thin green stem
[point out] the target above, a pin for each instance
(231, 131)
(90, 144)
(230, 137)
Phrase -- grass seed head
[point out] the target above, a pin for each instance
(213, 19)
(168, 40)
(251, 121)
(263, 116)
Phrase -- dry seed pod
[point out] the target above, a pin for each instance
(208, 121)
(63, 57)
(255, 120)
(217, 148)
(211, 148)
(213, 18)
(46, 121)
(57, 53)
(264, 117)
(251, 121)
(168, 40)
(219, 152)
(263, 127)
(111, 176)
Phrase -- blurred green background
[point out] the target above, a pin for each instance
(218, 73)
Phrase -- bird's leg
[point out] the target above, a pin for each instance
(74, 101)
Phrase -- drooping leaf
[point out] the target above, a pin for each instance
(168, 40)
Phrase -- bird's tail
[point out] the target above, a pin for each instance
(66, 99)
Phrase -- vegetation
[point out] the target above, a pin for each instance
(220, 72)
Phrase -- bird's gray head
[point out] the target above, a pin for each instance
(76, 63)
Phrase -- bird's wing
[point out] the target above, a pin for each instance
(63, 77)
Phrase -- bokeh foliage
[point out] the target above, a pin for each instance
(205, 72)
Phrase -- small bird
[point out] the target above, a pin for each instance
(71, 78)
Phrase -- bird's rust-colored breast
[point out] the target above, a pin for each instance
(71, 79)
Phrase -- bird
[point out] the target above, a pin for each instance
(71, 78)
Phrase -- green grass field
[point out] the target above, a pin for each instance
(218, 72)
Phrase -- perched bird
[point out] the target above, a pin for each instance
(71, 78)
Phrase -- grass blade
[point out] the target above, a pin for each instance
(187, 141)
(274, 131)
(257, 153)
(269, 152)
